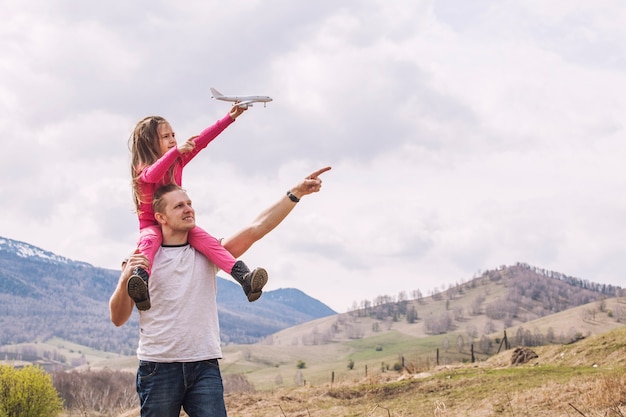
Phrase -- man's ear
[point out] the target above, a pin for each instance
(160, 218)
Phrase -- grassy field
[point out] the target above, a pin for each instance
(274, 364)
(62, 353)
(293, 375)
(586, 378)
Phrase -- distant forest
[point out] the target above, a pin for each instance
(528, 286)
(531, 293)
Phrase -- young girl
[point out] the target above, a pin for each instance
(156, 160)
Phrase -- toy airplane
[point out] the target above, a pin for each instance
(244, 101)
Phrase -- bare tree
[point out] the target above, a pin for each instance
(298, 378)
(490, 327)
(619, 314)
(458, 313)
(460, 343)
(104, 391)
(411, 315)
(354, 331)
(471, 331)
(476, 306)
(445, 344)
(485, 344)
(437, 324)
(236, 383)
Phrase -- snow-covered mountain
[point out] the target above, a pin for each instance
(43, 295)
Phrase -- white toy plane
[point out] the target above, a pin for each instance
(244, 101)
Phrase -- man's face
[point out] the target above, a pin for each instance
(178, 214)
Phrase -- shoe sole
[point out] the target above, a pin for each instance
(257, 282)
(138, 291)
(253, 296)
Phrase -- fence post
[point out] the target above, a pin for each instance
(505, 341)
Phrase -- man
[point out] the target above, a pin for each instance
(179, 343)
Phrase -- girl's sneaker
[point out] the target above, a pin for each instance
(137, 288)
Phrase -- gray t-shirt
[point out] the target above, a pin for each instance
(182, 324)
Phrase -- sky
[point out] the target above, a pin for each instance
(462, 135)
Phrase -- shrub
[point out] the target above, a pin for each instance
(103, 391)
(237, 383)
(301, 364)
(28, 392)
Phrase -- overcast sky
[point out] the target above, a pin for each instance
(462, 135)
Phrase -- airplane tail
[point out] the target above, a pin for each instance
(216, 93)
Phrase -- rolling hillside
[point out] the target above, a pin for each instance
(435, 355)
(379, 339)
(45, 296)
(585, 378)
(63, 315)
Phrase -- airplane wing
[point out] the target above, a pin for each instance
(245, 104)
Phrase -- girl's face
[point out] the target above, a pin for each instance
(167, 137)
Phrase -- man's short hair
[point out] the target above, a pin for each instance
(158, 204)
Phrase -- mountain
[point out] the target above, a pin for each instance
(245, 322)
(44, 295)
(530, 303)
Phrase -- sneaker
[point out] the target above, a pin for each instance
(255, 281)
(137, 288)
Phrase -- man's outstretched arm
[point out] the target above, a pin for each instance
(273, 215)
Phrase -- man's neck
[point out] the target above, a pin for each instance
(174, 238)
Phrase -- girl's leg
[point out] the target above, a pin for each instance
(251, 281)
(150, 239)
(210, 247)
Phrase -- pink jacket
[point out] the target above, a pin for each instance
(157, 174)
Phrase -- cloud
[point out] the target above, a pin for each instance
(462, 135)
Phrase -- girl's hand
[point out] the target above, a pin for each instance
(188, 145)
(236, 111)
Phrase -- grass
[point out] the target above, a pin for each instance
(273, 364)
(465, 391)
(373, 356)
(69, 351)
(586, 378)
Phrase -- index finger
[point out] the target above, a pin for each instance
(318, 173)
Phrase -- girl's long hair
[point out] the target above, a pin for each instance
(145, 150)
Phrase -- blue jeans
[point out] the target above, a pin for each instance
(164, 388)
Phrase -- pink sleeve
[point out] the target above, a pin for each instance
(207, 136)
(155, 172)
